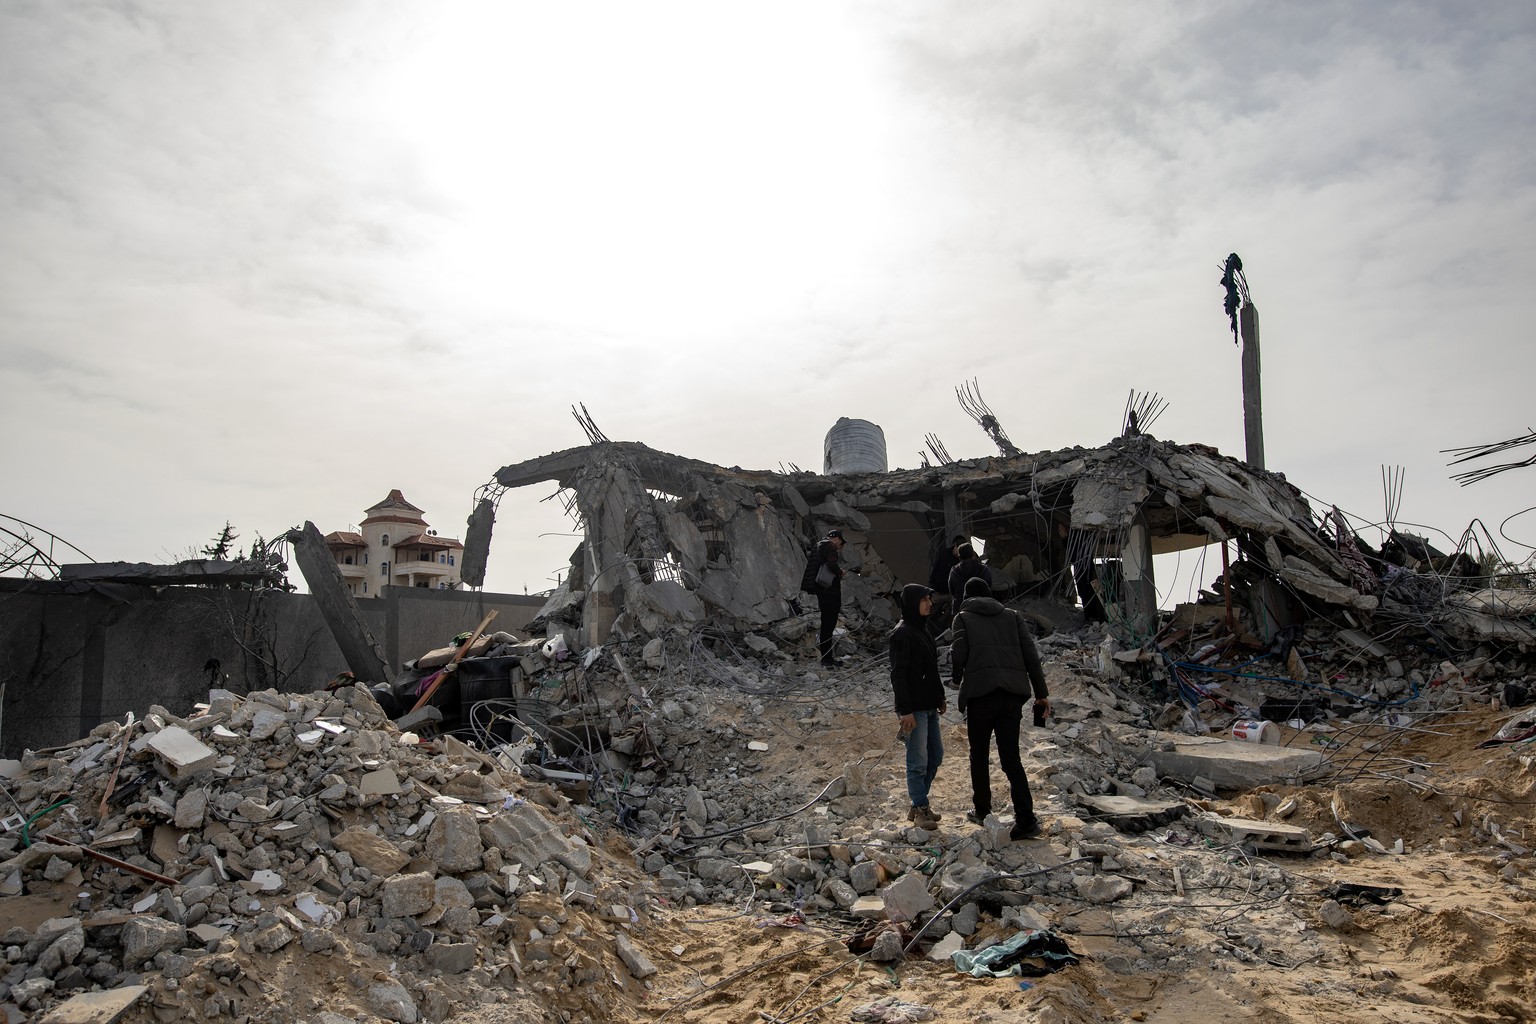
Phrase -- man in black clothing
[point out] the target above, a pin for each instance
(968, 568)
(938, 582)
(824, 578)
(996, 667)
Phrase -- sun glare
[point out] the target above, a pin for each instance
(649, 166)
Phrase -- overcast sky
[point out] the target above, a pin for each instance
(265, 262)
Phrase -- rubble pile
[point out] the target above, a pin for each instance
(285, 857)
(197, 863)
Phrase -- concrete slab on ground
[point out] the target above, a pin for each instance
(1229, 764)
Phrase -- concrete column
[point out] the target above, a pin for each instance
(1253, 405)
(1139, 601)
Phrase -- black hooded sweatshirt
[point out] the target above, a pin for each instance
(914, 658)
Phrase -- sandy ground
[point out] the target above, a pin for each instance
(1459, 945)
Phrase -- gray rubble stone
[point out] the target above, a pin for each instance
(965, 920)
(454, 841)
(842, 894)
(143, 937)
(390, 1000)
(638, 963)
(408, 895)
(1102, 888)
(527, 837)
(907, 897)
(375, 853)
(864, 877)
(694, 806)
(452, 957)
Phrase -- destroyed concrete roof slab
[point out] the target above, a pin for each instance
(1229, 764)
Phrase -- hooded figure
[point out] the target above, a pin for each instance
(919, 698)
(996, 667)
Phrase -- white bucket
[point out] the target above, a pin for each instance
(1251, 730)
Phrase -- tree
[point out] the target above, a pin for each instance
(222, 546)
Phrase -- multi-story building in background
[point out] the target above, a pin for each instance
(395, 547)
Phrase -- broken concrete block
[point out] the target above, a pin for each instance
(382, 782)
(375, 853)
(524, 835)
(638, 963)
(271, 938)
(947, 946)
(1102, 888)
(454, 841)
(907, 897)
(179, 755)
(1335, 916)
(143, 937)
(408, 895)
(864, 876)
(390, 1000)
(266, 722)
(868, 908)
(452, 957)
(192, 808)
(1230, 765)
(95, 1007)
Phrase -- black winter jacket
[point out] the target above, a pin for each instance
(993, 650)
(914, 658)
(825, 553)
(964, 571)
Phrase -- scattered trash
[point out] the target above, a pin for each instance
(1033, 954)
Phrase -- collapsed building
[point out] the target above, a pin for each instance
(672, 541)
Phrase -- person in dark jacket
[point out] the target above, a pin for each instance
(996, 667)
(829, 596)
(968, 568)
(920, 699)
(938, 582)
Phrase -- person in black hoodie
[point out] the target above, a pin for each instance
(996, 667)
(968, 568)
(920, 699)
(829, 596)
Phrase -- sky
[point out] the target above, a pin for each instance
(262, 263)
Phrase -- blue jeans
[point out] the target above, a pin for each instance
(925, 752)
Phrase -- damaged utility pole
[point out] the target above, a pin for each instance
(362, 652)
(1245, 319)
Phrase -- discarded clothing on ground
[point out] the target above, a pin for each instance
(1011, 957)
(892, 1010)
(1359, 895)
(1513, 731)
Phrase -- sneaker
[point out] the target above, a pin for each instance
(974, 818)
(1025, 830)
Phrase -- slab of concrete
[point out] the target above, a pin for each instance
(96, 1007)
(179, 754)
(1229, 764)
(1130, 814)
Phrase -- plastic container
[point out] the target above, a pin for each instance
(1253, 730)
(854, 446)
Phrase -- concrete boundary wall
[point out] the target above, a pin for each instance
(72, 657)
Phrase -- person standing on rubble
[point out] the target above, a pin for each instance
(824, 578)
(920, 699)
(938, 582)
(968, 568)
(995, 667)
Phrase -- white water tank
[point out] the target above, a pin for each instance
(854, 446)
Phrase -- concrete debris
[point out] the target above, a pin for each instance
(662, 739)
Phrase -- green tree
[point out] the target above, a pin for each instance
(221, 547)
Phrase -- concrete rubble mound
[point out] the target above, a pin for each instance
(209, 865)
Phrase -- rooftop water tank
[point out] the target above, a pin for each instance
(854, 446)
